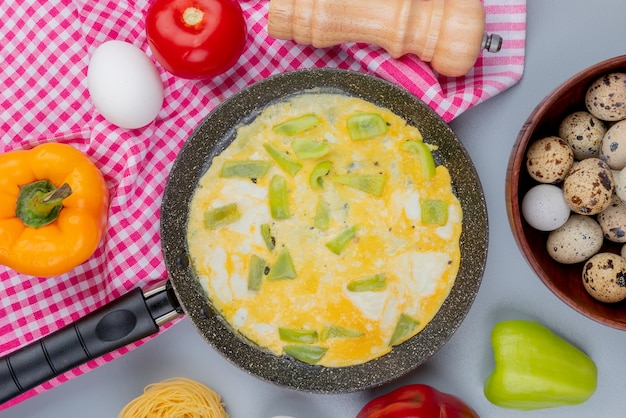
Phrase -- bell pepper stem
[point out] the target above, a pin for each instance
(58, 195)
(39, 203)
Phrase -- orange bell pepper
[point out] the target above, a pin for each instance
(53, 209)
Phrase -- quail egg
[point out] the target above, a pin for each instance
(604, 277)
(613, 221)
(606, 97)
(583, 132)
(548, 160)
(620, 183)
(579, 239)
(544, 207)
(589, 187)
(613, 149)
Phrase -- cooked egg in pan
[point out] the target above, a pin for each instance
(325, 231)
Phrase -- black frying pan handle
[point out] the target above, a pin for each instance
(130, 318)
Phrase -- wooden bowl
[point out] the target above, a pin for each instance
(565, 281)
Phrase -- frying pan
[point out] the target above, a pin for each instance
(138, 314)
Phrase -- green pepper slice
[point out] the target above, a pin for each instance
(252, 169)
(307, 148)
(288, 164)
(310, 354)
(301, 336)
(255, 272)
(366, 125)
(425, 156)
(403, 330)
(372, 184)
(322, 214)
(319, 171)
(283, 267)
(338, 243)
(297, 125)
(369, 283)
(434, 211)
(278, 200)
(335, 331)
(220, 216)
(266, 234)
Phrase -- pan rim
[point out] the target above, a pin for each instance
(192, 162)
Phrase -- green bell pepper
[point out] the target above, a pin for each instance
(427, 162)
(252, 169)
(220, 216)
(256, 272)
(279, 203)
(536, 369)
(363, 125)
(283, 267)
(337, 244)
(297, 125)
(284, 160)
(319, 171)
(305, 148)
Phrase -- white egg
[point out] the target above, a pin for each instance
(545, 208)
(124, 85)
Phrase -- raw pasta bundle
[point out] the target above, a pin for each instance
(176, 397)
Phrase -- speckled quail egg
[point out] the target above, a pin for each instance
(589, 187)
(612, 220)
(583, 132)
(620, 183)
(579, 239)
(606, 97)
(613, 148)
(544, 207)
(604, 277)
(623, 251)
(548, 160)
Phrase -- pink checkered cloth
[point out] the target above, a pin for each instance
(45, 50)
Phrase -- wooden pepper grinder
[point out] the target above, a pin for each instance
(449, 34)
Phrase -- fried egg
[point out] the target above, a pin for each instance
(320, 242)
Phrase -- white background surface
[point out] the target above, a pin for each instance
(563, 37)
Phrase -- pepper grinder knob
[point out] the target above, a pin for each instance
(448, 34)
(492, 42)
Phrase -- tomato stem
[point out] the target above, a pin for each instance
(192, 16)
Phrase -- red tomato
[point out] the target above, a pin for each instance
(196, 38)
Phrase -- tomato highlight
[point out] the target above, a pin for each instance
(196, 39)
